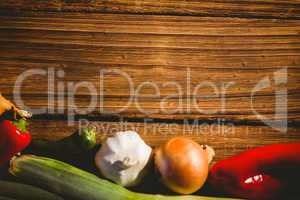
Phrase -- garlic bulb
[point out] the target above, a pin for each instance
(123, 158)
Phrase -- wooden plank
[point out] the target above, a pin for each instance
(238, 109)
(226, 139)
(112, 94)
(151, 24)
(98, 39)
(258, 59)
(231, 52)
(166, 38)
(230, 81)
(157, 49)
(245, 8)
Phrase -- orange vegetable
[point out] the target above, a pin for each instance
(6, 107)
(183, 164)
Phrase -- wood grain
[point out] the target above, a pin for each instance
(255, 40)
(116, 94)
(144, 40)
(151, 24)
(232, 54)
(245, 8)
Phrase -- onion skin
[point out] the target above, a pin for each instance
(183, 164)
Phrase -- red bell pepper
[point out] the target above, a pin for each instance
(261, 173)
(13, 138)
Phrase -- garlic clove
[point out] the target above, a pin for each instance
(123, 158)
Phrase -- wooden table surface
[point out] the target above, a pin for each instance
(190, 42)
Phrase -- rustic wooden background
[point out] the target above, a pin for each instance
(157, 41)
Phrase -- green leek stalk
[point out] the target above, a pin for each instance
(13, 190)
(71, 182)
(6, 198)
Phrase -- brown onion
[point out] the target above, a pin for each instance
(183, 164)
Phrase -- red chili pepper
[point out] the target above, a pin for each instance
(261, 173)
(13, 138)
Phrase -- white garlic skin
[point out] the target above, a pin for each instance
(123, 158)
